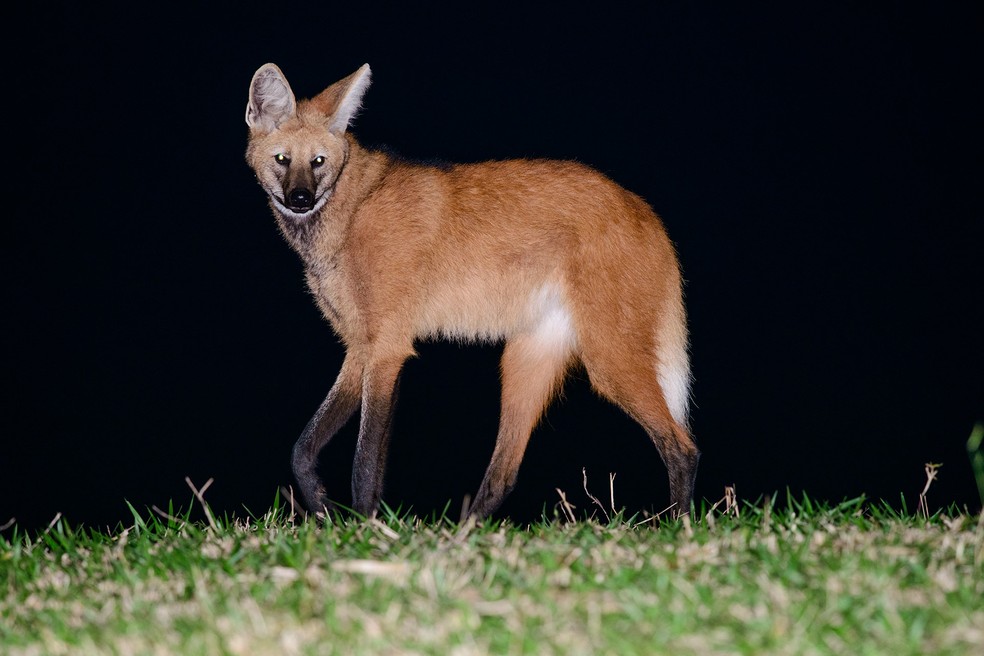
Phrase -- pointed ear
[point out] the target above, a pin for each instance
(342, 100)
(271, 102)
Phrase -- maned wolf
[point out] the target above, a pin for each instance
(551, 257)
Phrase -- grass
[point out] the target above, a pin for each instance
(745, 578)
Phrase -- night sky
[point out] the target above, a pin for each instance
(819, 171)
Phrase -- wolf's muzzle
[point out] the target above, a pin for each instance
(300, 200)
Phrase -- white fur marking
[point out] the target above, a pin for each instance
(553, 327)
(673, 367)
(674, 378)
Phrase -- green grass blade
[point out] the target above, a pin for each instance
(976, 455)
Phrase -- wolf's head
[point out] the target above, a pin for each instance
(298, 149)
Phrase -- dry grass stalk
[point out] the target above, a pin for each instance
(168, 516)
(200, 495)
(584, 475)
(931, 471)
(295, 507)
(730, 501)
(611, 489)
(566, 506)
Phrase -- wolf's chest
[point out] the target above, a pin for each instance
(335, 295)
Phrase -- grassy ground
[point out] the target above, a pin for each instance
(852, 579)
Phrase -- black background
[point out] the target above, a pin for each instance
(819, 170)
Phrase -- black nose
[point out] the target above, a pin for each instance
(300, 199)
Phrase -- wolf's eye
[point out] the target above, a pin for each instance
(282, 159)
(318, 161)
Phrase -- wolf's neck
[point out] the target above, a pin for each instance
(363, 171)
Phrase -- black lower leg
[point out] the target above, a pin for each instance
(335, 411)
(371, 450)
(682, 468)
(492, 492)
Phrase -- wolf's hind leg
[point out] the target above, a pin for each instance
(532, 371)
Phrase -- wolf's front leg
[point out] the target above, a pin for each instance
(337, 408)
(379, 389)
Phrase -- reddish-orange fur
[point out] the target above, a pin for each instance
(552, 257)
